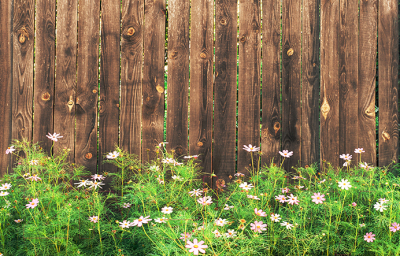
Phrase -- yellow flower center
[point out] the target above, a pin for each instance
(196, 246)
(318, 197)
(140, 219)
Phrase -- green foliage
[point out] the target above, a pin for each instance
(60, 223)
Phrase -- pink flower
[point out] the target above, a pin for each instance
(98, 177)
(34, 177)
(258, 226)
(285, 190)
(394, 227)
(207, 200)
(281, 198)
(369, 237)
(196, 246)
(318, 198)
(251, 148)
(292, 200)
(185, 235)
(142, 220)
(354, 204)
(94, 219)
(260, 213)
(18, 221)
(32, 204)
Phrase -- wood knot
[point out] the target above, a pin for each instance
(179, 150)
(203, 55)
(243, 39)
(23, 34)
(21, 39)
(88, 155)
(277, 127)
(130, 31)
(70, 103)
(223, 22)
(290, 52)
(173, 55)
(325, 108)
(385, 136)
(159, 89)
(199, 144)
(94, 91)
(46, 96)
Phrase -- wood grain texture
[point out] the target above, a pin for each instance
(6, 73)
(109, 80)
(44, 72)
(64, 99)
(348, 79)
(388, 61)
(87, 86)
(271, 85)
(224, 147)
(201, 82)
(310, 83)
(249, 80)
(366, 79)
(329, 117)
(153, 78)
(178, 76)
(291, 87)
(131, 75)
(22, 93)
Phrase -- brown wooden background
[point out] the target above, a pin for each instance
(315, 93)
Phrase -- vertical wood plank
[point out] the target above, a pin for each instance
(131, 75)
(225, 89)
(153, 78)
(329, 134)
(64, 99)
(310, 83)
(87, 86)
(291, 90)
(367, 81)
(201, 82)
(6, 65)
(22, 93)
(109, 80)
(178, 76)
(249, 80)
(271, 114)
(388, 61)
(44, 72)
(348, 78)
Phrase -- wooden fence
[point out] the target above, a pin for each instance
(317, 60)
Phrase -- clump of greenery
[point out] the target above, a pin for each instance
(165, 208)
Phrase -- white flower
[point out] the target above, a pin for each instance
(196, 246)
(154, 168)
(239, 174)
(286, 153)
(346, 156)
(195, 192)
(2, 193)
(275, 217)
(34, 162)
(251, 148)
(230, 233)
(258, 226)
(83, 183)
(362, 225)
(161, 220)
(10, 150)
(383, 200)
(217, 233)
(344, 184)
(380, 207)
(221, 222)
(167, 210)
(168, 161)
(162, 144)
(54, 136)
(365, 166)
(322, 181)
(347, 163)
(281, 198)
(5, 186)
(227, 207)
(112, 155)
(207, 200)
(98, 177)
(253, 197)
(126, 205)
(285, 190)
(188, 157)
(17, 221)
(125, 224)
(246, 186)
(260, 212)
(287, 225)
(95, 184)
(176, 177)
(160, 180)
(359, 150)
